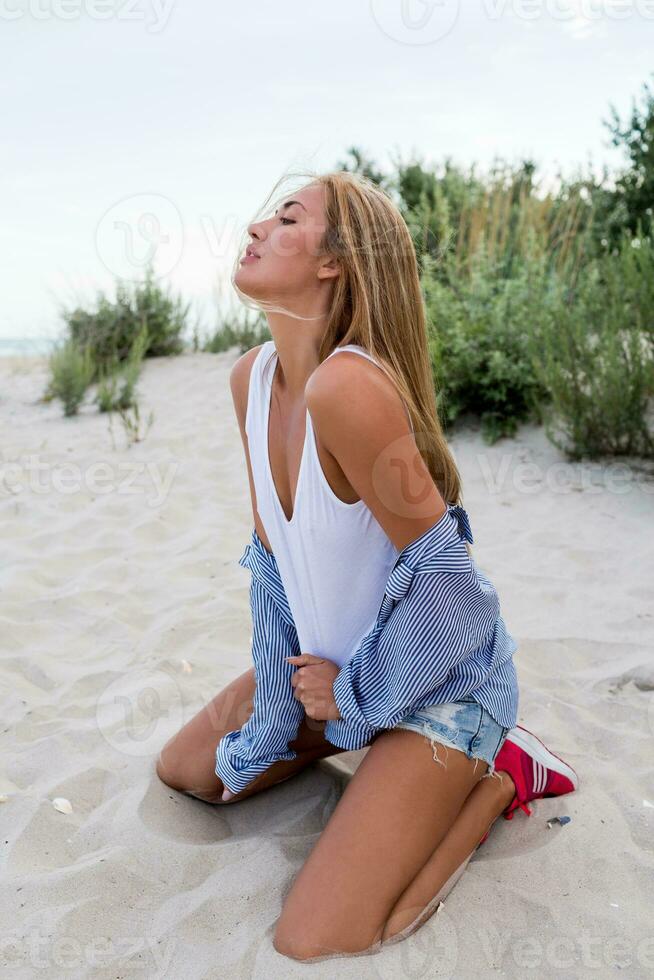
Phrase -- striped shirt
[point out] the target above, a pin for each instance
(438, 637)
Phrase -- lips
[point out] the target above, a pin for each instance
(249, 251)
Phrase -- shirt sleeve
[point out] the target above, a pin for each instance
(436, 611)
(243, 754)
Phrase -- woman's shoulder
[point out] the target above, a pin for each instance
(346, 365)
(352, 386)
(239, 376)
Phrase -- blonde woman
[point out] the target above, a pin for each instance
(372, 625)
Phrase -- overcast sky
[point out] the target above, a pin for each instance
(129, 122)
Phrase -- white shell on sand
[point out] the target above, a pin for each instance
(62, 804)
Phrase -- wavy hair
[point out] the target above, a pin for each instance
(377, 303)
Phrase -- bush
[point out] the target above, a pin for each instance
(243, 333)
(116, 388)
(71, 373)
(593, 350)
(110, 328)
(487, 250)
(478, 330)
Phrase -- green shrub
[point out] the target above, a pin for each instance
(487, 249)
(244, 333)
(71, 372)
(109, 329)
(593, 351)
(117, 384)
(478, 332)
(540, 305)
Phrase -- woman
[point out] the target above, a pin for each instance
(355, 503)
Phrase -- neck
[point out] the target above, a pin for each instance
(297, 343)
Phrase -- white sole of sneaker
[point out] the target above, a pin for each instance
(533, 746)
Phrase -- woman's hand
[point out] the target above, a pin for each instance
(313, 682)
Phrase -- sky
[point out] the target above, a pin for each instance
(139, 127)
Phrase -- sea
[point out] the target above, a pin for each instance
(26, 346)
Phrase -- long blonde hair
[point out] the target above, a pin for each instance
(377, 303)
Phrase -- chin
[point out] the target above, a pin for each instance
(251, 286)
(247, 283)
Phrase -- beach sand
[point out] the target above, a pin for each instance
(123, 610)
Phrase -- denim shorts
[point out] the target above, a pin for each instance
(464, 725)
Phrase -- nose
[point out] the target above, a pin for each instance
(256, 231)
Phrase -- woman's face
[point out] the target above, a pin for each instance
(282, 261)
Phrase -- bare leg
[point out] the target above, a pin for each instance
(187, 761)
(422, 897)
(399, 831)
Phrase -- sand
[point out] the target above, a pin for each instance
(123, 610)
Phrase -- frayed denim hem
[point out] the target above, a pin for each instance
(435, 740)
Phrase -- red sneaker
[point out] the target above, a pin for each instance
(535, 770)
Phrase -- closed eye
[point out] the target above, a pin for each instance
(287, 221)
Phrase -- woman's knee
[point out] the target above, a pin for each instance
(307, 944)
(165, 767)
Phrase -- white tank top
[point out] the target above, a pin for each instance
(334, 558)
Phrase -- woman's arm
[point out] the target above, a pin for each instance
(436, 611)
(275, 720)
(359, 418)
(239, 383)
(264, 738)
(434, 616)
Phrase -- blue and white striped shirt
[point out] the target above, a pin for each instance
(438, 637)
